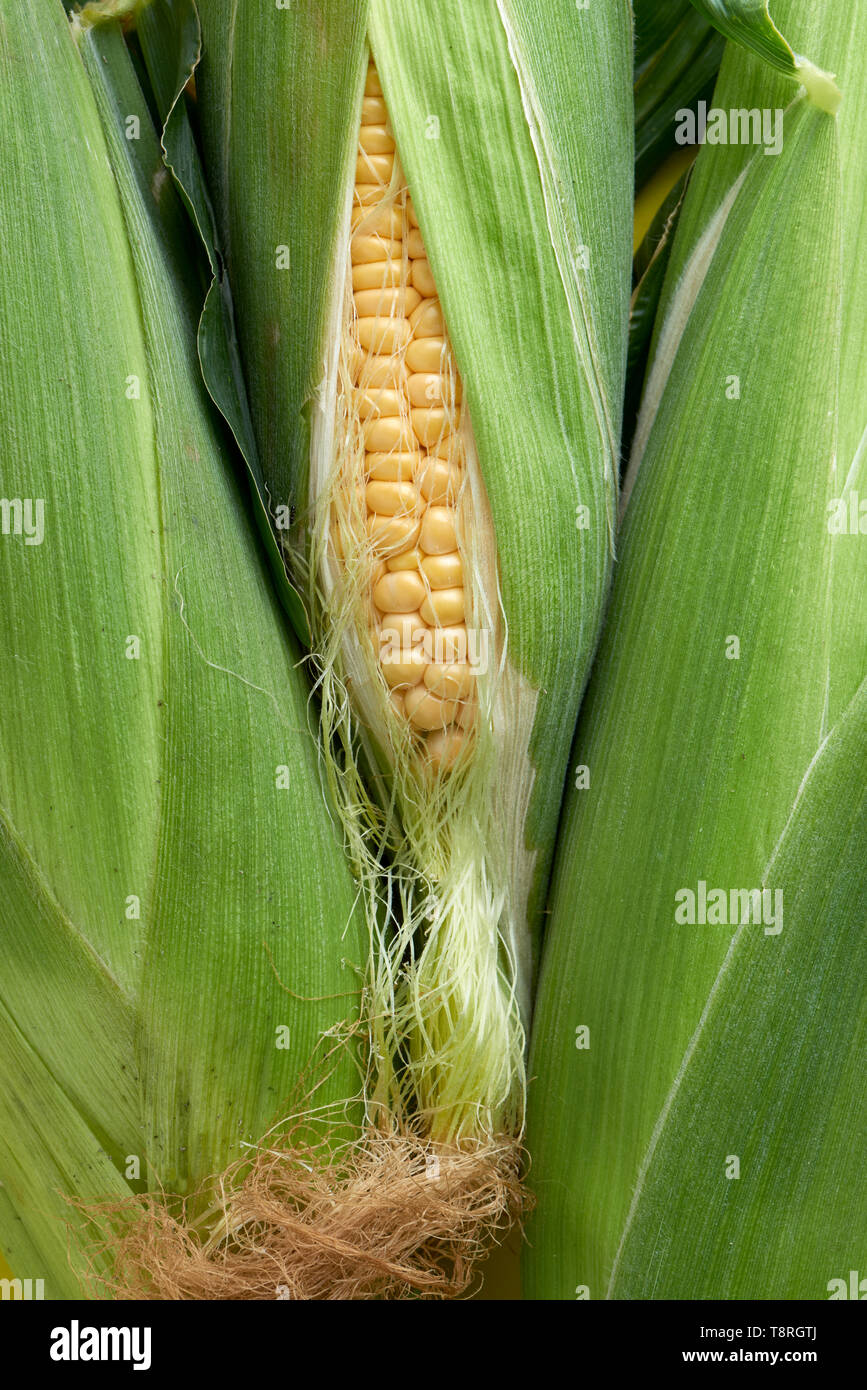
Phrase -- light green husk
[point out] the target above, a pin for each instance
(710, 1044)
(167, 910)
(748, 22)
(530, 164)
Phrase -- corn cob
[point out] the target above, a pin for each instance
(402, 413)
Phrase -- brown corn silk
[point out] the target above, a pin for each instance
(394, 1216)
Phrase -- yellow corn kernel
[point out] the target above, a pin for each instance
(427, 712)
(431, 423)
(422, 277)
(449, 449)
(438, 481)
(410, 560)
(448, 645)
(427, 320)
(368, 369)
(367, 194)
(386, 219)
(415, 247)
(374, 275)
(426, 354)
(364, 247)
(403, 629)
(443, 607)
(389, 432)
(438, 531)
(382, 335)
(390, 302)
(391, 535)
(375, 139)
(402, 668)
(392, 468)
(373, 168)
(373, 111)
(373, 402)
(443, 571)
(453, 682)
(434, 388)
(400, 592)
(443, 746)
(392, 499)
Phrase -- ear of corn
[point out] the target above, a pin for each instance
(727, 639)
(526, 259)
(162, 923)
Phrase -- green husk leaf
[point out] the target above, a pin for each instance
(697, 753)
(170, 38)
(774, 1076)
(49, 1151)
(276, 156)
(746, 83)
(160, 893)
(748, 23)
(655, 21)
(280, 733)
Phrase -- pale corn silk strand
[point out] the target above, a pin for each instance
(402, 586)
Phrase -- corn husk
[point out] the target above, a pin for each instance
(649, 266)
(179, 934)
(677, 58)
(700, 1141)
(519, 173)
(749, 23)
